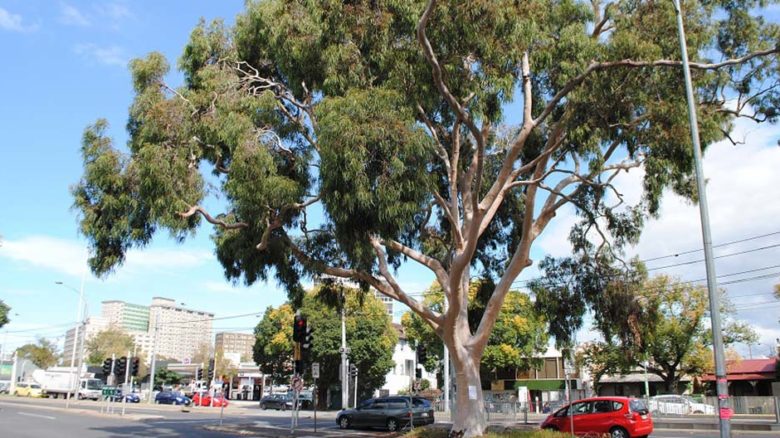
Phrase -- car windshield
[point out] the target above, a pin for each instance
(35, 386)
(94, 384)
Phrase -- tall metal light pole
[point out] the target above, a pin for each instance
(724, 411)
(154, 357)
(79, 320)
(344, 369)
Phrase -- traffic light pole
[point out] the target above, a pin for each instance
(154, 358)
(127, 377)
(344, 370)
(721, 382)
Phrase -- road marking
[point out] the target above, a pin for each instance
(36, 415)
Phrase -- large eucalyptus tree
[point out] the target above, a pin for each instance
(390, 116)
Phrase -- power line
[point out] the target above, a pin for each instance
(716, 257)
(747, 239)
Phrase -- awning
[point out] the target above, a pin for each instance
(545, 385)
(740, 377)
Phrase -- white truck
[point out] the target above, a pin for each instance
(58, 381)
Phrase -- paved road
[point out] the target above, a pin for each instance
(22, 418)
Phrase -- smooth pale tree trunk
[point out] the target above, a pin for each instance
(469, 416)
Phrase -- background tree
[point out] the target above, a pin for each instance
(520, 332)
(107, 342)
(4, 310)
(388, 115)
(370, 336)
(669, 329)
(273, 342)
(164, 376)
(43, 353)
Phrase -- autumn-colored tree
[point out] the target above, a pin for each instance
(370, 337)
(519, 336)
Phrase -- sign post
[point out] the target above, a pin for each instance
(315, 374)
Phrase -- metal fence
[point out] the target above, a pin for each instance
(762, 408)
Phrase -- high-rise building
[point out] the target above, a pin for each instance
(180, 331)
(93, 325)
(236, 344)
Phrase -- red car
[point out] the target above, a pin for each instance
(620, 417)
(204, 399)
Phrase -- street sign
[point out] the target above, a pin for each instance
(344, 350)
(107, 392)
(315, 370)
(186, 361)
(297, 383)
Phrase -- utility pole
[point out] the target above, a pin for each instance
(344, 370)
(724, 411)
(74, 377)
(154, 357)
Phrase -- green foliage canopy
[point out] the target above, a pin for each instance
(4, 310)
(107, 342)
(43, 353)
(520, 333)
(669, 330)
(370, 336)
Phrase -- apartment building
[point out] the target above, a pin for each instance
(179, 331)
(93, 325)
(235, 345)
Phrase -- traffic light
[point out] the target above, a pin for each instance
(299, 329)
(211, 370)
(107, 367)
(135, 364)
(308, 337)
(353, 370)
(199, 374)
(418, 373)
(422, 353)
(120, 368)
(299, 367)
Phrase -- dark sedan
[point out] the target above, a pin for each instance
(276, 401)
(130, 397)
(171, 398)
(391, 413)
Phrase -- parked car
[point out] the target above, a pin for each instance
(131, 397)
(26, 389)
(276, 401)
(620, 417)
(387, 412)
(674, 404)
(171, 398)
(5, 386)
(204, 399)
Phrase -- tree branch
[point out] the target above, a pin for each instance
(210, 219)
(426, 313)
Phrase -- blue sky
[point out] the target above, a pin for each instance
(65, 66)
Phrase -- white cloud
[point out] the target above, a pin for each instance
(114, 11)
(59, 255)
(71, 16)
(111, 55)
(69, 256)
(14, 22)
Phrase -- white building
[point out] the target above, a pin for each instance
(400, 376)
(180, 331)
(94, 325)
